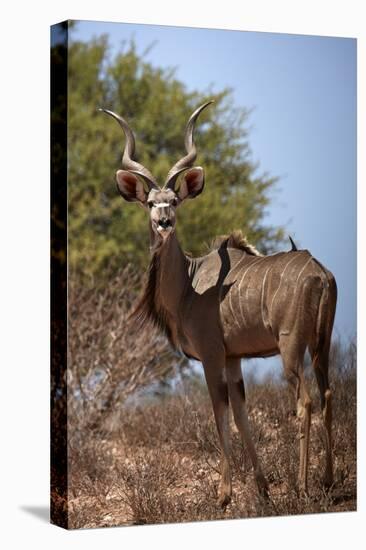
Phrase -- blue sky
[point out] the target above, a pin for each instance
(302, 92)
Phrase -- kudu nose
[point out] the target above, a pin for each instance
(165, 223)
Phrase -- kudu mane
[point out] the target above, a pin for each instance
(146, 310)
(236, 239)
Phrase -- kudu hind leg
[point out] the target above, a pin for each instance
(293, 359)
(320, 365)
(218, 390)
(237, 398)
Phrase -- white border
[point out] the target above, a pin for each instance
(24, 269)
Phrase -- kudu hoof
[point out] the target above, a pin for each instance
(223, 501)
(303, 492)
(262, 485)
(328, 482)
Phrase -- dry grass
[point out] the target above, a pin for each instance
(156, 461)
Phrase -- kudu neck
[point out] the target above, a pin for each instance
(173, 273)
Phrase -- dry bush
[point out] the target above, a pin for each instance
(144, 486)
(108, 359)
(181, 419)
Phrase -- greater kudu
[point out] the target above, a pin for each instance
(231, 304)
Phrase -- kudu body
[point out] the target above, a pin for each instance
(231, 304)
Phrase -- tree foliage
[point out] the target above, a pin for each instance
(106, 232)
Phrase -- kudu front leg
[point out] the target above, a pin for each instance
(237, 398)
(214, 368)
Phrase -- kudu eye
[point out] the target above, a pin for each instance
(150, 204)
(175, 201)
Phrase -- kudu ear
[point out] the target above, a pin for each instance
(130, 187)
(192, 183)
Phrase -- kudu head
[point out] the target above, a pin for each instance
(136, 183)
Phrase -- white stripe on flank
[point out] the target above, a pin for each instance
(240, 284)
(231, 309)
(281, 277)
(262, 298)
(245, 257)
(306, 263)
